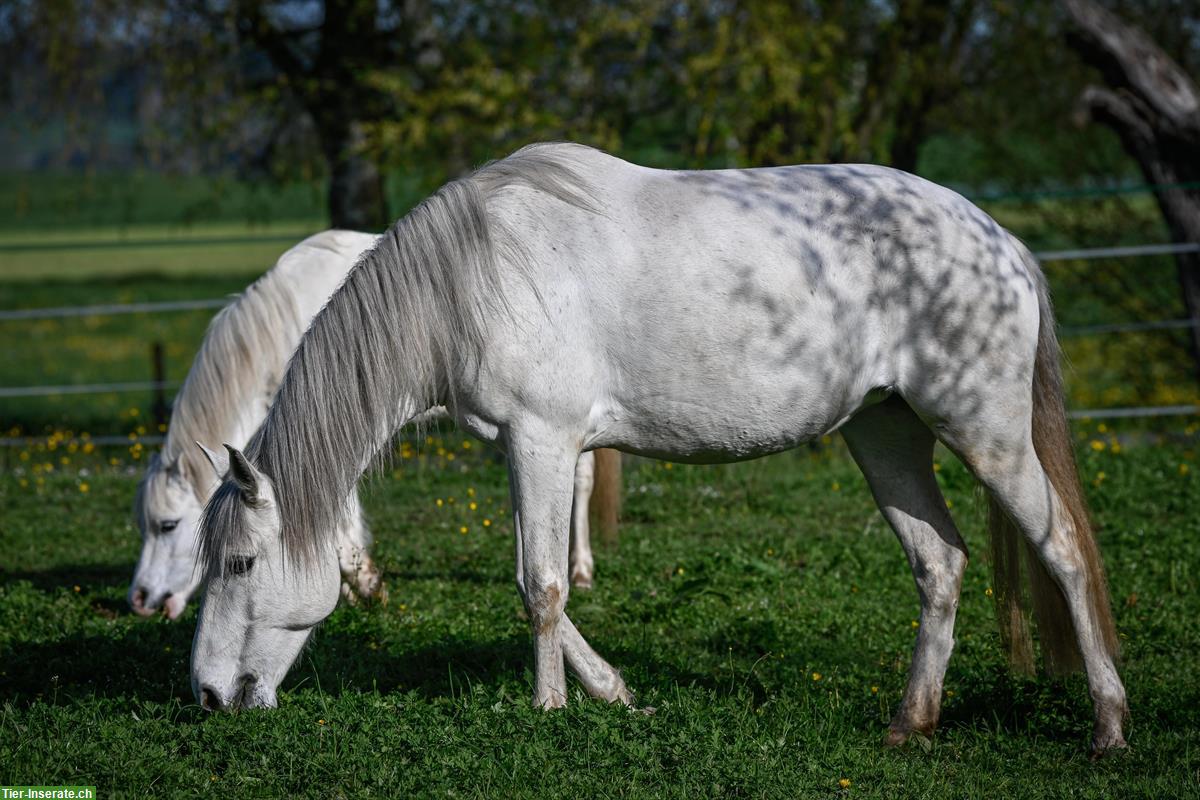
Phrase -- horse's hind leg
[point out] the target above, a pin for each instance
(360, 576)
(1010, 469)
(582, 564)
(894, 450)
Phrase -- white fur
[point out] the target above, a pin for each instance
(709, 317)
(174, 489)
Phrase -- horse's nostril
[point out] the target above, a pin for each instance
(210, 700)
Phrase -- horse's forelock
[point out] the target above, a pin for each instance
(224, 528)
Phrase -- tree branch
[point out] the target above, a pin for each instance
(1129, 59)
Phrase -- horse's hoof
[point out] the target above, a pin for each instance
(555, 700)
(1109, 745)
(896, 738)
(581, 580)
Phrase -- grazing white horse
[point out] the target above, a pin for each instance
(561, 300)
(225, 398)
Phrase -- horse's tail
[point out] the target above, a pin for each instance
(1052, 442)
(605, 505)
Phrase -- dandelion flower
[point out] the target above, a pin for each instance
(844, 783)
(487, 523)
(816, 676)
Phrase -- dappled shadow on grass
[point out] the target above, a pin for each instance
(84, 575)
(340, 662)
(147, 661)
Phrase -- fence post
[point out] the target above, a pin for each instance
(159, 408)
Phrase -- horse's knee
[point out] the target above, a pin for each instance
(545, 604)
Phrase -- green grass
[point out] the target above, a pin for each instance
(731, 590)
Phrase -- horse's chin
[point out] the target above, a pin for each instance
(174, 606)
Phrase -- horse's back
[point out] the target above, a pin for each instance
(790, 295)
(312, 270)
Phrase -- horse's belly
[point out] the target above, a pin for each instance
(729, 421)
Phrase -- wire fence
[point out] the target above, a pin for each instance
(1089, 254)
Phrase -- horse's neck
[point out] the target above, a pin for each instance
(307, 275)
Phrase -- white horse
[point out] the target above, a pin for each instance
(225, 398)
(561, 300)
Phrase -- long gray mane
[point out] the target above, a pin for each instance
(242, 349)
(408, 318)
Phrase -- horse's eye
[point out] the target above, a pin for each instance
(239, 565)
(167, 525)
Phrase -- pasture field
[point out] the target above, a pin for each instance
(763, 609)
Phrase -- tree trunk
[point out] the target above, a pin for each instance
(356, 197)
(1154, 107)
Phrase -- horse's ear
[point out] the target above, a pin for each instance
(248, 478)
(220, 463)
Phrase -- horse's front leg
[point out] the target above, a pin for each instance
(582, 563)
(541, 481)
(360, 576)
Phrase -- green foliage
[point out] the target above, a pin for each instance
(763, 609)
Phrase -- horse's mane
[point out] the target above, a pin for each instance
(407, 319)
(240, 361)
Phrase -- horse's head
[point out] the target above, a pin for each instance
(167, 512)
(258, 608)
